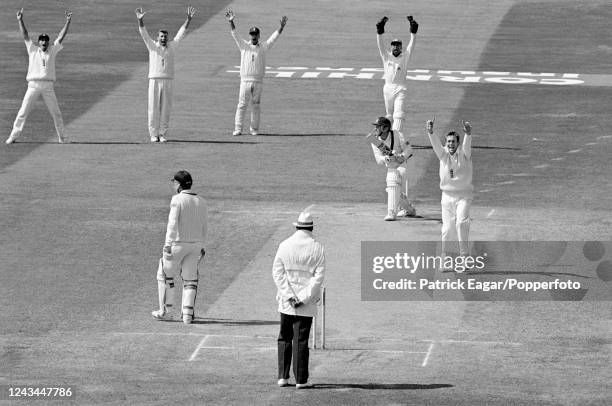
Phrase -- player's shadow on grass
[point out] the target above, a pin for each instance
(233, 322)
(384, 386)
(309, 135)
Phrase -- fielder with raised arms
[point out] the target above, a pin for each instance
(395, 64)
(161, 74)
(252, 71)
(40, 77)
(456, 184)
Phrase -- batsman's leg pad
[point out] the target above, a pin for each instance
(165, 288)
(190, 289)
(394, 189)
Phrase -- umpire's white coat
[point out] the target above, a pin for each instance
(299, 270)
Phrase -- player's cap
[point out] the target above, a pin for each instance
(184, 178)
(44, 37)
(396, 41)
(254, 30)
(304, 221)
(383, 121)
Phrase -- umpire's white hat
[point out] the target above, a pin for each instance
(304, 220)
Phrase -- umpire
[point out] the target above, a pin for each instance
(298, 271)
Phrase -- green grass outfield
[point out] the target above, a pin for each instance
(83, 223)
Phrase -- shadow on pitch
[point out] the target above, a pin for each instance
(378, 386)
(309, 135)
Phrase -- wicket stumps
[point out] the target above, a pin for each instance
(320, 316)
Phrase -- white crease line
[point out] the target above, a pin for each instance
(574, 151)
(490, 213)
(195, 352)
(478, 342)
(426, 359)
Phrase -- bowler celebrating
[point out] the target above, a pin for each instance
(455, 183)
(40, 77)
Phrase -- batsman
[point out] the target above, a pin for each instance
(393, 151)
(395, 64)
(183, 249)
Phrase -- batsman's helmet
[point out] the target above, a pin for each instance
(382, 121)
(184, 178)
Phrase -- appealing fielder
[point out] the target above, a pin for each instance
(298, 272)
(161, 74)
(183, 249)
(392, 150)
(395, 65)
(252, 71)
(40, 77)
(456, 185)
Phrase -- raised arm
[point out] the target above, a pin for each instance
(435, 141)
(22, 28)
(64, 30)
(181, 32)
(467, 139)
(140, 13)
(380, 38)
(229, 16)
(414, 27)
(283, 22)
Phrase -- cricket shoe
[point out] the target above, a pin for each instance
(283, 382)
(161, 315)
(61, 139)
(154, 139)
(236, 133)
(304, 386)
(162, 139)
(390, 216)
(188, 318)
(406, 208)
(254, 132)
(10, 139)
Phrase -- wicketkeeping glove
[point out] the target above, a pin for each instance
(380, 25)
(414, 26)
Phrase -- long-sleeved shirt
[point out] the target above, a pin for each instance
(455, 169)
(397, 144)
(161, 58)
(299, 271)
(188, 219)
(395, 68)
(253, 57)
(41, 65)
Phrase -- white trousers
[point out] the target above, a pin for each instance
(394, 104)
(36, 88)
(456, 221)
(250, 93)
(184, 261)
(160, 105)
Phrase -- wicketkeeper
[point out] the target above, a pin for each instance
(392, 150)
(395, 65)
